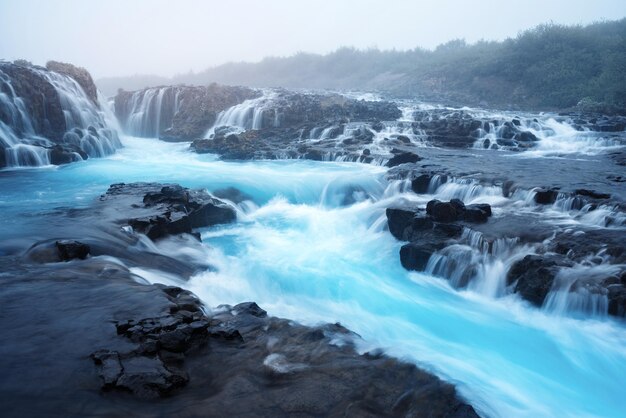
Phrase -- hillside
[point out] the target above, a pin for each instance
(549, 66)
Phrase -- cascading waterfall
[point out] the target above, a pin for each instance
(246, 115)
(310, 245)
(481, 264)
(150, 112)
(549, 136)
(89, 129)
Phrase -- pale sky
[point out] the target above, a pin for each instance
(125, 37)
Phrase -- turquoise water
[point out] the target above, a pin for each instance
(312, 247)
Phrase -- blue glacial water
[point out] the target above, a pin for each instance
(305, 252)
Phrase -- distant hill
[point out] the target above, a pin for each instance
(549, 66)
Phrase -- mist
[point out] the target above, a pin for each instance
(116, 38)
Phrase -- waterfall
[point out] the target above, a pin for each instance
(150, 112)
(246, 115)
(89, 127)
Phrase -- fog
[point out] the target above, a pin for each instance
(117, 37)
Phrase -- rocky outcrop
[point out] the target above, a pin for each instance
(51, 116)
(159, 210)
(81, 75)
(116, 341)
(176, 113)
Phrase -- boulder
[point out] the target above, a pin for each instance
(168, 209)
(534, 275)
(402, 158)
(545, 197)
(415, 256)
(71, 250)
(420, 184)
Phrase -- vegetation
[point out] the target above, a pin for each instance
(550, 66)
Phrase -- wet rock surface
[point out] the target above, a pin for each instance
(41, 121)
(541, 258)
(159, 210)
(185, 113)
(118, 345)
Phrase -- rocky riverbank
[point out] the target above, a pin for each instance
(114, 343)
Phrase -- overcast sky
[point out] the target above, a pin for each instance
(124, 37)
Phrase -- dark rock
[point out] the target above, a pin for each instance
(476, 213)
(148, 378)
(415, 256)
(533, 276)
(420, 183)
(70, 250)
(169, 209)
(593, 194)
(249, 308)
(545, 197)
(617, 299)
(110, 367)
(442, 212)
(526, 136)
(402, 158)
(399, 222)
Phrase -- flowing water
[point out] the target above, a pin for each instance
(311, 245)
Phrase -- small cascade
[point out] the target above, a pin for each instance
(150, 112)
(246, 115)
(477, 263)
(578, 291)
(541, 135)
(467, 190)
(89, 127)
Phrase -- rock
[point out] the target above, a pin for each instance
(533, 277)
(617, 299)
(525, 136)
(249, 308)
(476, 213)
(169, 209)
(442, 212)
(398, 221)
(420, 184)
(70, 250)
(593, 194)
(402, 158)
(545, 197)
(414, 256)
(110, 367)
(148, 378)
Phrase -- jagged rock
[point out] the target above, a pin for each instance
(546, 197)
(442, 211)
(415, 256)
(70, 250)
(533, 276)
(399, 221)
(169, 209)
(420, 183)
(593, 194)
(402, 158)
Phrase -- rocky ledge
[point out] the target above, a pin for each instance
(113, 343)
(176, 113)
(540, 259)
